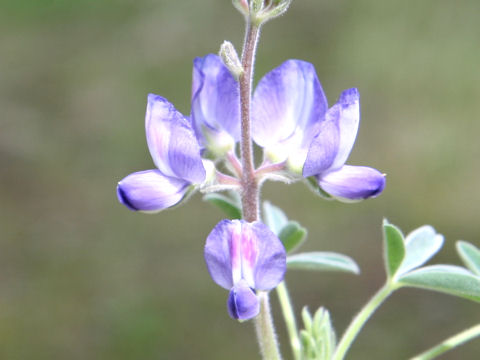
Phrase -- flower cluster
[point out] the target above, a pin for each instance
(291, 121)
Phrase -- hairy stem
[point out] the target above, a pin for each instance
(250, 194)
(289, 317)
(362, 317)
(250, 188)
(265, 331)
(450, 343)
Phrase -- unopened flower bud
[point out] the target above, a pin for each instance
(242, 6)
(277, 8)
(230, 59)
(256, 5)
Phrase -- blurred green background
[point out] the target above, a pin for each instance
(81, 277)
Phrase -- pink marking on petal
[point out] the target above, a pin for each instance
(249, 254)
(236, 251)
(249, 246)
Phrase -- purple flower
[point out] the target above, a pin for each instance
(329, 151)
(291, 122)
(176, 154)
(244, 257)
(215, 105)
(287, 106)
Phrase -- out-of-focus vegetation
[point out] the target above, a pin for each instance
(81, 277)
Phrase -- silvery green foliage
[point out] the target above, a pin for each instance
(322, 261)
(470, 255)
(318, 337)
(405, 256)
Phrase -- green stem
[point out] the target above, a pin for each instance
(360, 320)
(289, 317)
(265, 330)
(450, 343)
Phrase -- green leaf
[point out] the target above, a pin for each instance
(308, 345)
(470, 255)
(420, 245)
(322, 261)
(307, 319)
(274, 217)
(394, 248)
(453, 280)
(229, 206)
(292, 235)
(323, 333)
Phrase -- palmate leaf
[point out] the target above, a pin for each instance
(322, 261)
(420, 245)
(449, 279)
(470, 255)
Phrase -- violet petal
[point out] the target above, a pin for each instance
(324, 147)
(215, 99)
(242, 303)
(240, 251)
(271, 262)
(150, 190)
(349, 117)
(172, 142)
(217, 254)
(353, 182)
(287, 100)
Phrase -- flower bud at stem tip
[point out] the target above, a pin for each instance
(229, 57)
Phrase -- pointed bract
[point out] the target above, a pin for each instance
(150, 191)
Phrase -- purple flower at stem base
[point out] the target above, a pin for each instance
(244, 258)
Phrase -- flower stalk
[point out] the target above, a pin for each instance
(290, 321)
(265, 331)
(360, 319)
(450, 343)
(250, 193)
(250, 187)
